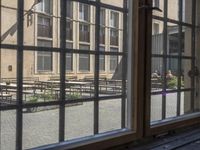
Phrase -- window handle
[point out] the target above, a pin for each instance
(194, 72)
(148, 7)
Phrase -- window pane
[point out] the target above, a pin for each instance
(44, 59)
(69, 58)
(173, 9)
(84, 12)
(187, 11)
(84, 32)
(114, 37)
(9, 27)
(109, 115)
(173, 35)
(84, 59)
(79, 120)
(40, 126)
(157, 37)
(186, 44)
(171, 105)
(156, 107)
(102, 60)
(114, 22)
(69, 9)
(69, 32)
(157, 75)
(7, 130)
(44, 27)
(113, 60)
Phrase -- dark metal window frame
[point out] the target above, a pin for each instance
(20, 47)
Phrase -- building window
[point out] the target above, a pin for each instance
(84, 59)
(113, 60)
(102, 26)
(44, 27)
(84, 12)
(45, 6)
(69, 58)
(114, 28)
(156, 28)
(69, 9)
(102, 60)
(156, 3)
(44, 59)
(69, 32)
(84, 32)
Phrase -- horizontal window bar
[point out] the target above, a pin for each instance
(58, 50)
(172, 91)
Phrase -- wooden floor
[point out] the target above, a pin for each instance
(187, 140)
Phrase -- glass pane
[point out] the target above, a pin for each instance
(186, 45)
(8, 85)
(8, 28)
(186, 102)
(173, 41)
(186, 69)
(173, 9)
(157, 37)
(172, 74)
(159, 4)
(7, 130)
(156, 107)
(40, 78)
(40, 126)
(187, 11)
(109, 115)
(171, 105)
(157, 74)
(79, 120)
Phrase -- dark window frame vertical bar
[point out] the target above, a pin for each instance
(20, 40)
(164, 60)
(63, 7)
(193, 53)
(124, 67)
(180, 28)
(96, 73)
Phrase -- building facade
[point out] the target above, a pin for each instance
(41, 28)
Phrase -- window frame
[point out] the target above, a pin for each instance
(105, 140)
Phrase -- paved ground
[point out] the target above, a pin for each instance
(41, 128)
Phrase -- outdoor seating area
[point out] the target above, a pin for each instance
(35, 90)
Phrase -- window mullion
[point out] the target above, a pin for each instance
(20, 40)
(63, 7)
(96, 73)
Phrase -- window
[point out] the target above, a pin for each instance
(69, 58)
(114, 19)
(69, 9)
(84, 59)
(84, 12)
(44, 59)
(114, 37)
(156, 28)
(45, 6)
(113, 60)
(156, 3)
(102, 26)
(44, 27)
(102, 60)
(69, 32)
(84, 32)
(114, 30)
(63, 101)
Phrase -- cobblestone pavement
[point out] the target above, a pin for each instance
(41, 128)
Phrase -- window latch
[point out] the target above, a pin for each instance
(194, 72)
(148, 7)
